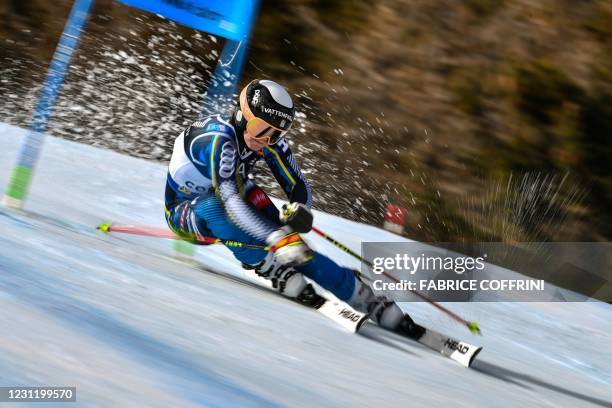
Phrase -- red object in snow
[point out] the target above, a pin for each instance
(395, 218)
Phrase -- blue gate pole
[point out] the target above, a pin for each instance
(222, 86)
(30, 149)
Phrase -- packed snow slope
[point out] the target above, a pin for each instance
(129, 325)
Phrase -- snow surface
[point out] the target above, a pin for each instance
(128, 324)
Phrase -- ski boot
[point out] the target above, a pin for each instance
(407, 327)
(287, 281)
(384, 311)
(309, 297)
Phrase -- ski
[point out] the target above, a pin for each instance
(457, 350)
(343, 314)
(337, 311)
(454, 349)
(352, 320)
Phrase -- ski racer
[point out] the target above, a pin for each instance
(209, 193)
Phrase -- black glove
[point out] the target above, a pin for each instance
(297, 216)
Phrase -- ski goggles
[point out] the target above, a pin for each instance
(261, 130)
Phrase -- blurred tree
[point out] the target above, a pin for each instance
(422, 102)
(542, 89)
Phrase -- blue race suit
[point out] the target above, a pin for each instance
(208, 193)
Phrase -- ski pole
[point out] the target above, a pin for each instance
(164, 233)
(471, 325)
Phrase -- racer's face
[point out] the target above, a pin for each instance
(254, 143)
(258, 133)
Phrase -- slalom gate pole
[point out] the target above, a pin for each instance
(471, 325)
(165, 233)
(23, 172)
